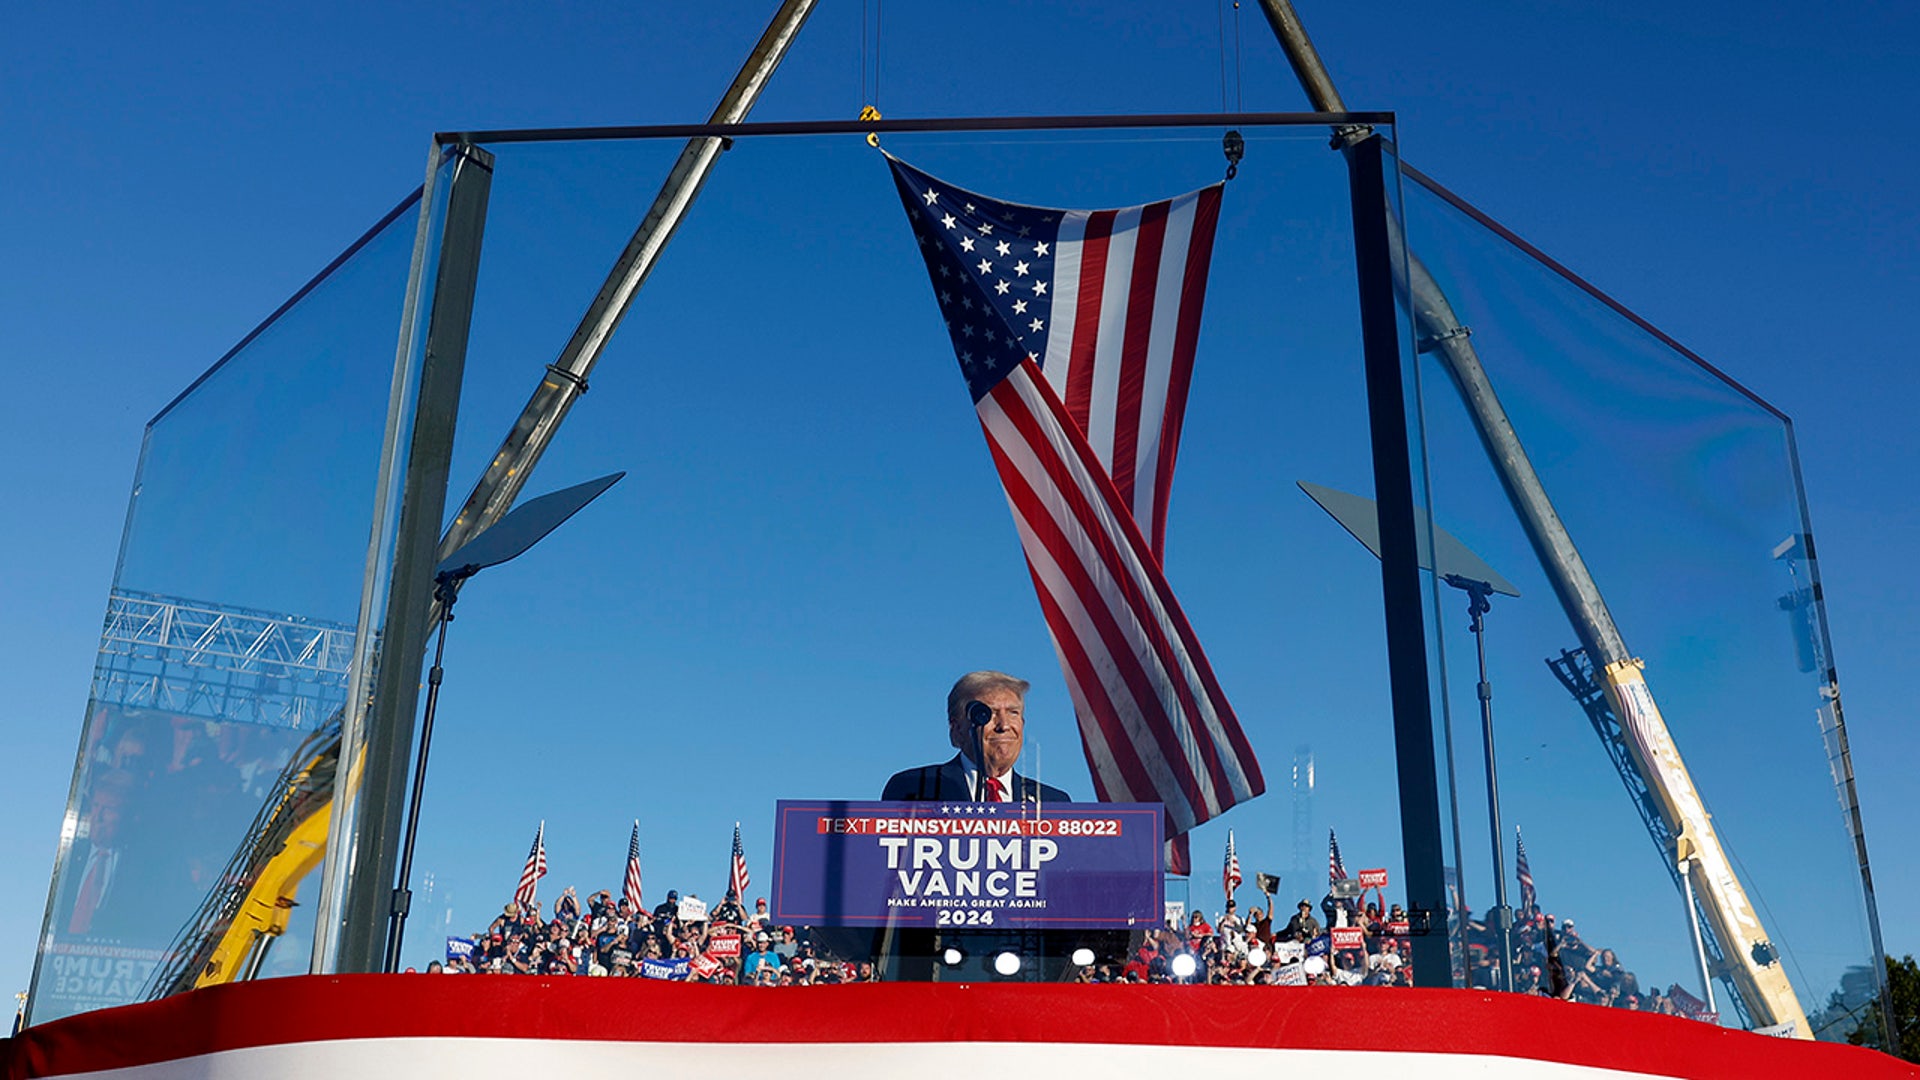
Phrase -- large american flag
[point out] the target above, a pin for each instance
(1336, 866)
(1524, 871)
(535, 869)
(630, 892)
(1075, 332)
(1230, 873)
(737, 878)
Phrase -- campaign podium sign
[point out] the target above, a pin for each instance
(961, 864)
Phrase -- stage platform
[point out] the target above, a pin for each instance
(373, 1026)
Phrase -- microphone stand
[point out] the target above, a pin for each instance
(446, 590)
(1478, 604)
(979, 715)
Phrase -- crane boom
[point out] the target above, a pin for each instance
(1751, 962)
(566, 378)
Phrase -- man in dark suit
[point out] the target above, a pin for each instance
(960, 778)
(909, 953)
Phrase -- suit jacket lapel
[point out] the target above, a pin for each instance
(953, 780)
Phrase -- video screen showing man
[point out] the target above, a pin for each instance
(1001, 738)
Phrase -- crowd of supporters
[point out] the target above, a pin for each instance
(611, 938)
(1344, 943)
(1348, 943)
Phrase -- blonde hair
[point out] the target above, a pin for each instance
(974, 683)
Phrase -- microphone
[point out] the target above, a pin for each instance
(978, 714)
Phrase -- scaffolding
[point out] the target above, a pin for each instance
(217, 662)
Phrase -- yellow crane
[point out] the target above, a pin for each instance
(230, 936)
(1749, 960)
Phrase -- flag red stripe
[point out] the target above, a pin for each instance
(1149, 236)
(1166, 727)
(1086, 319)
(1080, 379)
(1120, 746)
(1119, 648)
(1177, 622)
(1048, 533)
(1193, 290)
(1179, 856)
(1159, 640)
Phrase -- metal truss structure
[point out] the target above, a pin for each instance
(217, 662)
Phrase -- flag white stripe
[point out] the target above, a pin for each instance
(1166, 324)
(1065, 307)
(1166, 787)
(1109, 784)
(1236, 777)
(1113, 597)
(1115, 292)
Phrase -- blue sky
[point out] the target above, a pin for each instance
(172, 177)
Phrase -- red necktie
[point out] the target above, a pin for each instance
(93, 884)
(995, 793)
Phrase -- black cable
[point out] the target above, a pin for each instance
(1238, 97)
(1220, 18)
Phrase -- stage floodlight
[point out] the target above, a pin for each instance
(1007, 963)
(952, 957)
(1183, 966)
(1083, 956)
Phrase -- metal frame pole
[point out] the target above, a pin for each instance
(344, 939)
(1399, 564)
(373, 829)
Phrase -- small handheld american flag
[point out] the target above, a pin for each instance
(631, 892)
(1336, 867)
(1524, 871)
(535, 869)
(737, 879)
(1230, 874)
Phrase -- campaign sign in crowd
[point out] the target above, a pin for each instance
(1003, 865)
